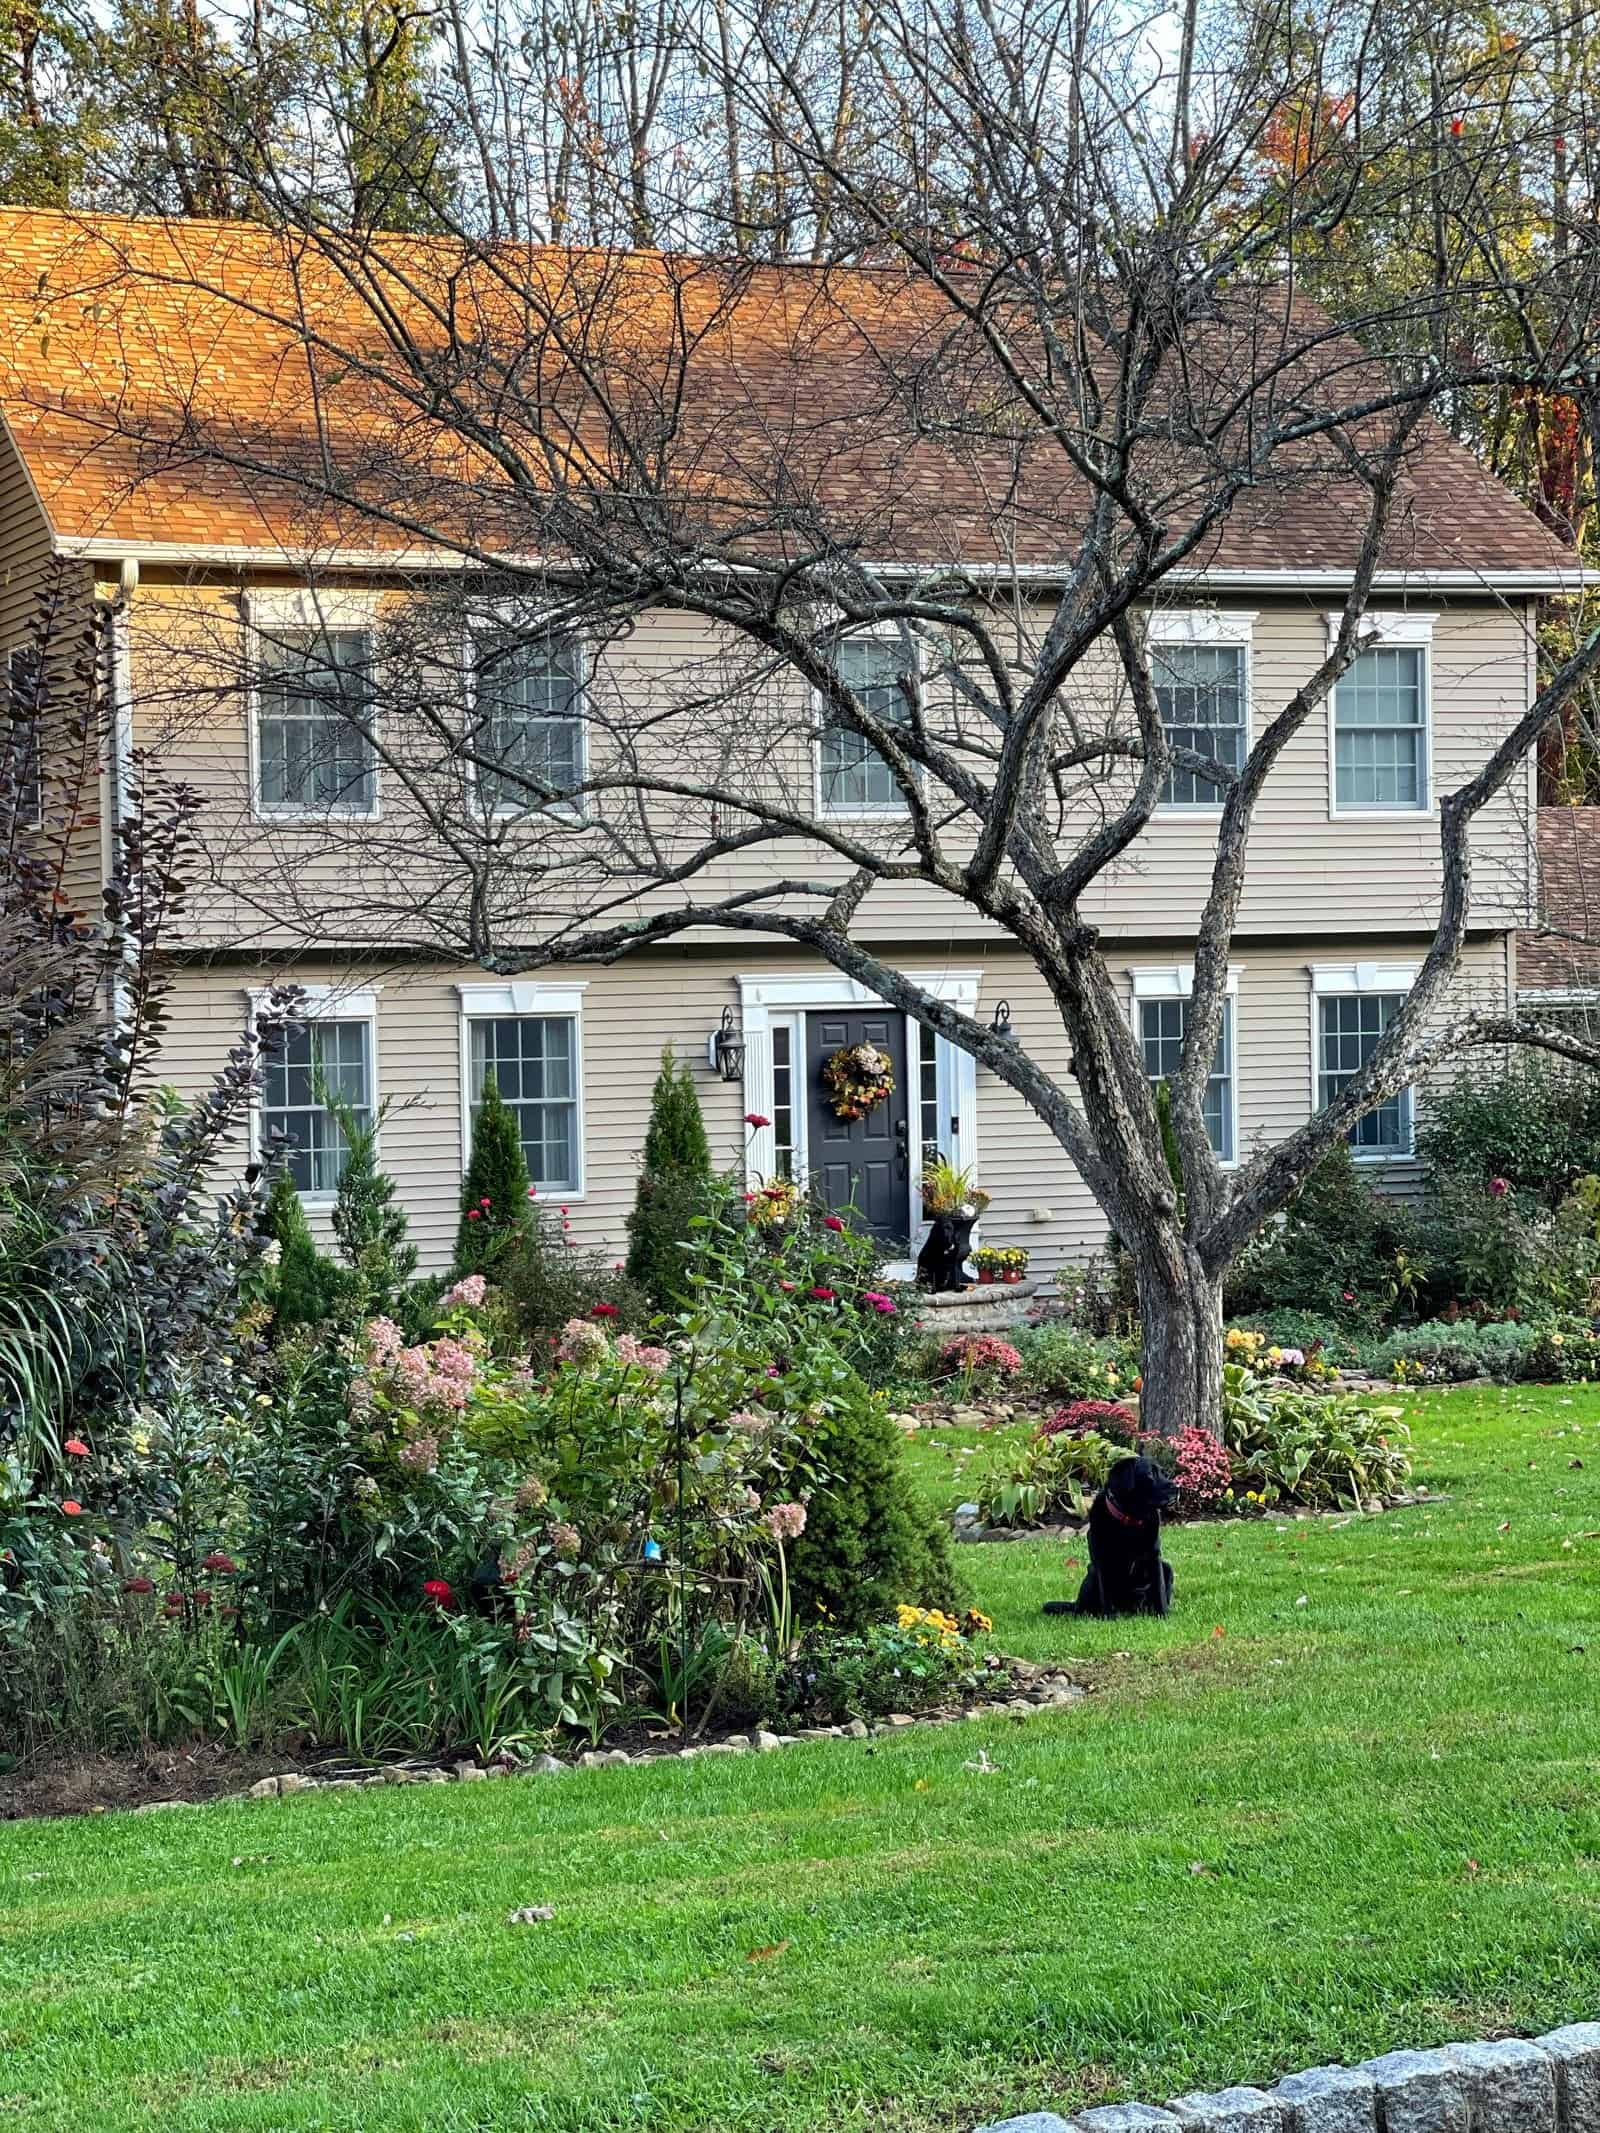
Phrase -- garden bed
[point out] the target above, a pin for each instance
(1018, 1688)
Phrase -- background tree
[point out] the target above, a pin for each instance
(675, 1170)
(303, 1285)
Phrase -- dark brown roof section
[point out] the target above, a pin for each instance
(1563, 953)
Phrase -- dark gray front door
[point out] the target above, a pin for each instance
(861, 1164)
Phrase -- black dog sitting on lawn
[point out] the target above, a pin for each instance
(1128, 1574)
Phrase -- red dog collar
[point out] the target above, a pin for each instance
(1122, 1517)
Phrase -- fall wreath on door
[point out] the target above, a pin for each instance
(857, 1078)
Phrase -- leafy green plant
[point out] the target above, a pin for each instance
(1061, 1363)
(1052, 1479)
(1320, 1450)
(918, 1659)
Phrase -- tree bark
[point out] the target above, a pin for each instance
(1180, 1310)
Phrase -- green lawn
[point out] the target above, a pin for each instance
(1347, 1798)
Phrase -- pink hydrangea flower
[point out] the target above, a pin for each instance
(384, 1340)
(641, 1357)
(470, 1290)
(786, 1521)
(582, 1342)
(750, 1421)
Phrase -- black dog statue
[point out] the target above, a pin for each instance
(1128, 1575)
(940, 1261)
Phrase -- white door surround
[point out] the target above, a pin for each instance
(772, 999)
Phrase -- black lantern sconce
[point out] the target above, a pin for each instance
(1001, 1025)
(725, 1048)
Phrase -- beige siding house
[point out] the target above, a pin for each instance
(1342, 887)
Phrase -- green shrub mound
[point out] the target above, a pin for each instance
(1343, 1252)
(869, 1545)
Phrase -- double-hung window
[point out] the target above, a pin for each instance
(322, 1066)
(534, 1062)
(1201, 693)
(527, 740)
(855, 778)
(1380, 721)
(314, 743)
(1163, 1024)
(24, 709)
(1351, 1017)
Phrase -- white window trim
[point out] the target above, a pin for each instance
(1175, 981)
(573, 811)
(880, 632)
(326, 1003)
(1330, 978)
(1377, 628)
(765, 998)
(518, 999)
(266, 612)
(1208, 626)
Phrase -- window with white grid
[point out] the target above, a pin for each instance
(317, 1061)
(1200, 691)
(313, 722)
(1380, 730)
(528, 739)
(1162, 1025)
(1348, 1028)
(855, 778)
(534, 1061)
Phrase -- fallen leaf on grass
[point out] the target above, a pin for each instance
(1473, 1870)
(1196, 1866)
(1219, 1631)
(920, 1786)
(765, 1955)
(530, 1914)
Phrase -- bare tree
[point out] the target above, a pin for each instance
(1038, 380)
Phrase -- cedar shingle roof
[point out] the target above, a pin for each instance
(218, 385)
(1564, 955)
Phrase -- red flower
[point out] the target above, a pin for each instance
(1455, 128)
(754, 1118)
(563, 1210)
(138, 1585)
(825, 1296)
(832, 1222)
(72, 1507)
(174, 1604)
(787, 1287)
(472, 1214)
(219, 1562)
(604, 1311)
(76, 1447)
(201, 1599)
(484, 1201)
(438, 1591)
(533, 1192)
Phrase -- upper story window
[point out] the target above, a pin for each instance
(23, 709)
(330, 1057)
(1163, 1023)
(528, 740)
(1200, 668)
(1200, 689)
(1380, 720)
(1354, 1006)
(855, 778)
(314, 745)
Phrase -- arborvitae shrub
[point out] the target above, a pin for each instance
(869, 1543)
(305, 1285)
(495, 1201)
(672, 1186)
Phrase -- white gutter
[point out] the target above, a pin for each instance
(98, 548)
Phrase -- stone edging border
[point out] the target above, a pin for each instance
(1551, 2085)
(1034, 1689)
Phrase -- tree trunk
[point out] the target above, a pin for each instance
(1180, 1309)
